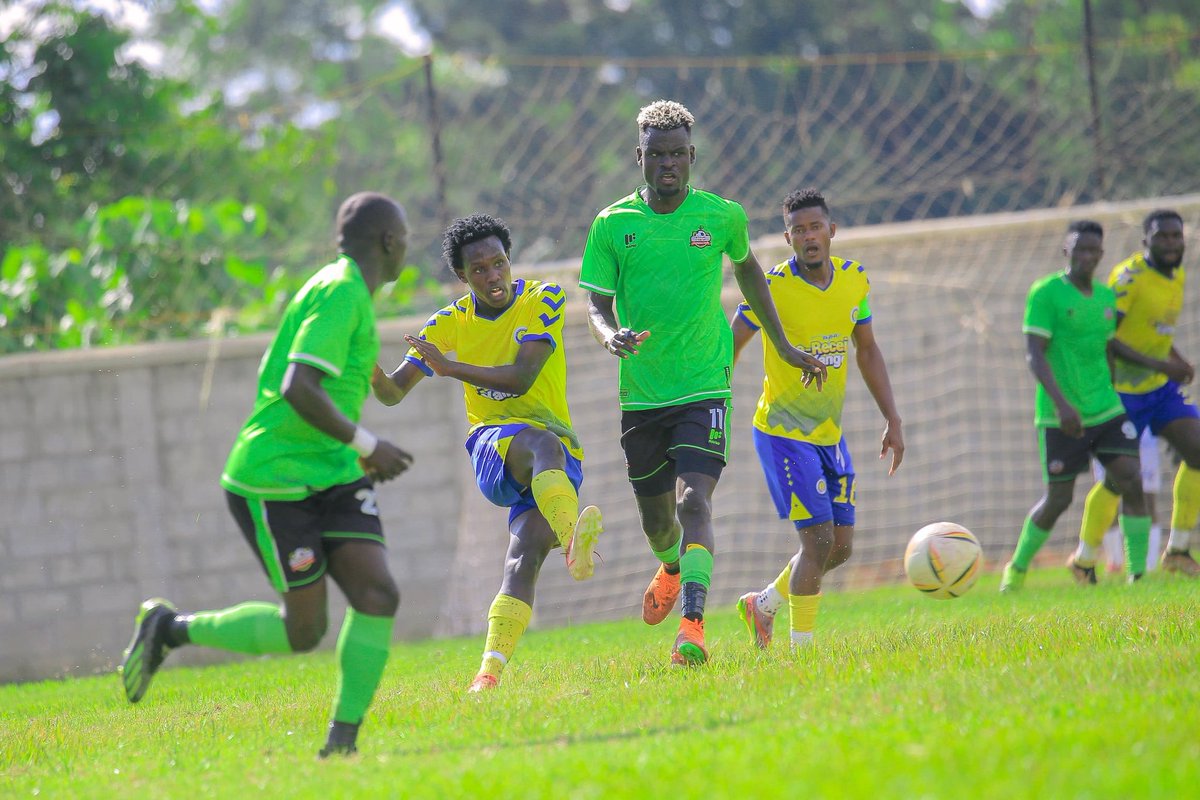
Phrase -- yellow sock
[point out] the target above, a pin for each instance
(1099, 513)
(804, 615)
(507, 620)
(557, 500)
(781, 583)
(1187, 499)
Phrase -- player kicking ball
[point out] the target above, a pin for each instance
(508, 338)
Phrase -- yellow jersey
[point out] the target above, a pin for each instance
(1149, 303)
(536, 314)
(822, 321)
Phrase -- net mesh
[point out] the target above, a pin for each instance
(948, 299)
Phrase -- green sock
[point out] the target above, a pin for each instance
(1137, 542)
(253, 628)
(671, 554)
(362, 652)
(1032, 539)
(696, 565)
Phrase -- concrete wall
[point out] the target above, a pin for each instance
(109, 463)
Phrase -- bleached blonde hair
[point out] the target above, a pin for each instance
(665, 115)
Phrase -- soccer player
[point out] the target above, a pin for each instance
(653, 270)
(823, 303)
(1150, 373)
(508, 337)
(300, 482)
(1069, 321)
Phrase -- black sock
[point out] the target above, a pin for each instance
(694, 597)
(176, 633)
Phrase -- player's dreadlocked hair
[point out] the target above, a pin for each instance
(465, 230)
(804, 198)
(1158, 216)
(1086, 226)
(665, 115)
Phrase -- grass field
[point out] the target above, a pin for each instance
(1058, 692)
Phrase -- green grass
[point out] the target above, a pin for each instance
(1056, 692)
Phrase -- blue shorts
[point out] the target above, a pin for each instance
(1156, 409)
(799, 476)
(488, 447)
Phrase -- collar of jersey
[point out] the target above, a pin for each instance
(518, 290)
(638, 194)
(797, 271)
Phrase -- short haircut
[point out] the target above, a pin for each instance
(804, 198)
(465, 230)
(1086, 226)
(364, 216)
(1158, 215)
(665, 115)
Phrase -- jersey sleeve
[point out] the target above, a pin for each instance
(599, 271)
(441, 330)
(863, 314)
(738, 245)
(323, 338)
(1125, 286)
(544, 318)
(1039, 313)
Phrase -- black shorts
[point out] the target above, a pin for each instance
(661, 443)
(293, 537)
(1064, 457)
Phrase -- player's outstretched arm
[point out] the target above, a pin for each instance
(390, 389)
(516, 378)
(873, 368)
(753, 283)
(1035, 354)
(302, 389)
(602, 322)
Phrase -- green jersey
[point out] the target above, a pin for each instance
(665, 272)
(330, 325)
(1078, 328)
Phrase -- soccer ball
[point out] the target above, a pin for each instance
(943, 560)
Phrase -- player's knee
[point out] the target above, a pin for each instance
(692, 504)
(305, 636)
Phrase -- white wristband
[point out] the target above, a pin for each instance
(364, 442)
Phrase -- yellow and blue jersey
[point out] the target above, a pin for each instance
(822, 321)
(536, 314)
(1149, 303)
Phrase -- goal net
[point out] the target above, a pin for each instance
(948, 298)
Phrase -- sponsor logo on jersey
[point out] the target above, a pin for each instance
(830, 349)
(493, 394)
(701, 238)
(630, 240)
(301, 559)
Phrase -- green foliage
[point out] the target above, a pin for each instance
(901, 697)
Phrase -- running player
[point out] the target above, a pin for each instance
(1069, 321)
(822, 302)
(1150, 375)
(508, 338)
(300, 484)
(653, 268)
